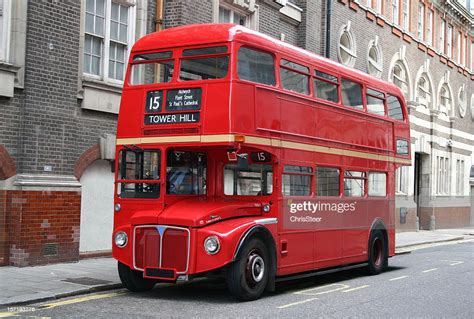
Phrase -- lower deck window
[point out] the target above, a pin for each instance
(354, 183)
(186, 173)
(327, 181)
(139, 174)
(296, 180)
(377, 184)
(254, 180)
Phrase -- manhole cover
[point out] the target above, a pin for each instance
(87, 281)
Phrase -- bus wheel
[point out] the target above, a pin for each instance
(247, 277)
(133, 280)
(377, 253)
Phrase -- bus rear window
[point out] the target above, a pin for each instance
(256, 66)
(139, 174)
(204, 68)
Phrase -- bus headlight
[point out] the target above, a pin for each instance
(212, 245)
(121, 239)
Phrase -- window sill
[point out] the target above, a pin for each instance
(8, 73)
(100, 96)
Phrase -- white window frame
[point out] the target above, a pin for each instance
(462, 101)
(405, 24)
(351, 51)
(429, 28)
(401, 180)
(396, 12)
(442, 34)
(5, 29)
(449, 42)
(445, 108)
(472, 55)
(466, 52)
(403, 77)
(458, 48)
(104, 67)
(442, 170)
(251, 13)
(425, 101)
(421, 21)
(374, 67)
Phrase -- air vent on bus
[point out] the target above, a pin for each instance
(172, 131)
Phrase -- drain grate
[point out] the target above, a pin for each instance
(87, 281)
(50, 249)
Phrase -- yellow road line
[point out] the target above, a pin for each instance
(63, 303)
(356, 288)
(398, 278)
(297, 303)
(429, 270)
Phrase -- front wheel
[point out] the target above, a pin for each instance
(247, 277)
(377, 253)
(133, 280)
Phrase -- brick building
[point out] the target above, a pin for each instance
(61, 69)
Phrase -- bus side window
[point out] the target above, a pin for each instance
(394, 108)
(296, 180)
(354, 183)
(325, 86)
(377, 184)
(256, 66)
(375, 102)
(327, 181)
(352, 94)
(294, 77)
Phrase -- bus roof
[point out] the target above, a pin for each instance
(196, 34)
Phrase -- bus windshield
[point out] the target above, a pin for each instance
(186, 173)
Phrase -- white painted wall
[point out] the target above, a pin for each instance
(97, 203)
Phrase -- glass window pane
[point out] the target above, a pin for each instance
(327, 181)
(256, 66)
(326, 76)
(255, 180)
(148, 73)
(297, 169)
(153, 56)
(96, 46)
(377, 184)
(115, 11)
(99, 26)
(375, 105)
(354, 184)
(90, 6)
(394, 108)
(294, 81)
(95, 66)
(89, 23)
(296, 185)
(123, 33)
(114, 29)
(224, 15)
(87, 63)
(205, 51)
(352, 94)
(111, 69)
(204, 68)
(186, 173)
(294, 66)
(112, 51)
(88, 44)
(326, 91)
(100, 7)
(120, 67)
(120, 56)
(124, 15)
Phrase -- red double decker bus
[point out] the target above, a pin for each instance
(243, 156)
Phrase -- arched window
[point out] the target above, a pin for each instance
(462, 101)
(346, 50)
(399, 77)
(423, 91)
(374, 59)
(445, 100)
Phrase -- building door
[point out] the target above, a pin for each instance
(417, 186)
(97, 208)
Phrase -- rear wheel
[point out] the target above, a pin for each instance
(247, 277)
(133, 280)
(377, 253)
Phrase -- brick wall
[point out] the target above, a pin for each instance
(42, 226)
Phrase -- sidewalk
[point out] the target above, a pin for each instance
(34, 284)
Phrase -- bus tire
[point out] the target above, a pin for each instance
(247, 277)
(133, 280)
(377, 253)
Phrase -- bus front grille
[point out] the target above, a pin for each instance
(161, 247)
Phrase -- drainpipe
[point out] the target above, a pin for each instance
(159, 15)
(328, 28)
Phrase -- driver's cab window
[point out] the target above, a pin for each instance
(186, 173)
(252, 180)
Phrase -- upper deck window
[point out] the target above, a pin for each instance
(293, 78)
(375, 102)
(256, 66)
(325, 86)
(352, 94)
(152, 68)
(198, 66)
(394, 108)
